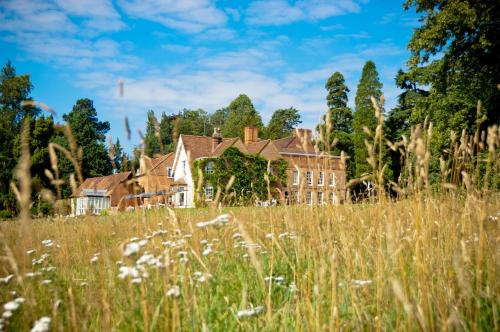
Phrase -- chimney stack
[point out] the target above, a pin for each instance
(251, 135)
(304, 135)
(216, 138)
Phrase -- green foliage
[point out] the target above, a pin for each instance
(118, 155)
(14, 89)
(89, 134)
(455, 54)
(369, 86)
(241, 114)
(195, 122)
(151, 139)
(340, 127)
(249, 171)
(167, 125)
(282, 123)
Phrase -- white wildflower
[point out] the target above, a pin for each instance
(94, 259)
(360, 283)
(292, 288)
(83, 284)
(7, 314)
(203, 242)
(269, 235)
(5, 280)
(42, 325)
(32, 274)
(31, 251)
(131, 249)
(48, 269)
(236, 235)
(282, 235)
(201, 277)
(207, 251)
(278, 280)
(174, 292)
(246, 256)
(47, 243)
(126, 271)
(188, 236)
(250, 312)
(11, 306)
(133, 239)
(20, 300)
(136, 281)
(216, 222)
(142, 243)
(46, 282)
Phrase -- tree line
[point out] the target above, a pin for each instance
(454, 63)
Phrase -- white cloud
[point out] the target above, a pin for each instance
(281, 12)
(190, 16)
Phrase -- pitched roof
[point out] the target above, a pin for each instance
(256, 147)
(201, 146)
(104, 184)
(159, 165)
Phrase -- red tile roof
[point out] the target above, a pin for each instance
(104, 183)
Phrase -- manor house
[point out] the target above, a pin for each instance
(312, 177)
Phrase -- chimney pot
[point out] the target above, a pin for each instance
(216, 138)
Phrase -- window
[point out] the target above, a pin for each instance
(309, 177)
(309, 198)
(295, 197)
(321, 178)
(209, 168)
(331, 198)
(320, 197)
(169, 172)
(332, 179)
(209, 193)
(184, 167)
(295, 178)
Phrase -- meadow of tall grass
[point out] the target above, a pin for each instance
(424, 260)
(428, 263)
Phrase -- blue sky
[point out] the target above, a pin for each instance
(176, 54)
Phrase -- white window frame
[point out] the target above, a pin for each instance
(321, 178)
(209, 168)
(320, 197)
(309, 178)
(209, 193)
(332, 180)
(309, 198)
(295, 178)
(331, 198)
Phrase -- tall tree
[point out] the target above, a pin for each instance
(340, 118)
(42, 131)
(455, 55)
(89, 134)
(167, 125)
(195, 122)
(118, 155)
(14, 89)
(282, 123)
(151, 140)
(369, 86)
(399, 119)
(218, 117)
(241, 114)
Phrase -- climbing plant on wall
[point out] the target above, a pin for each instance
(250, 172)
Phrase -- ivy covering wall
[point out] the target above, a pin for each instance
(250, 181)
